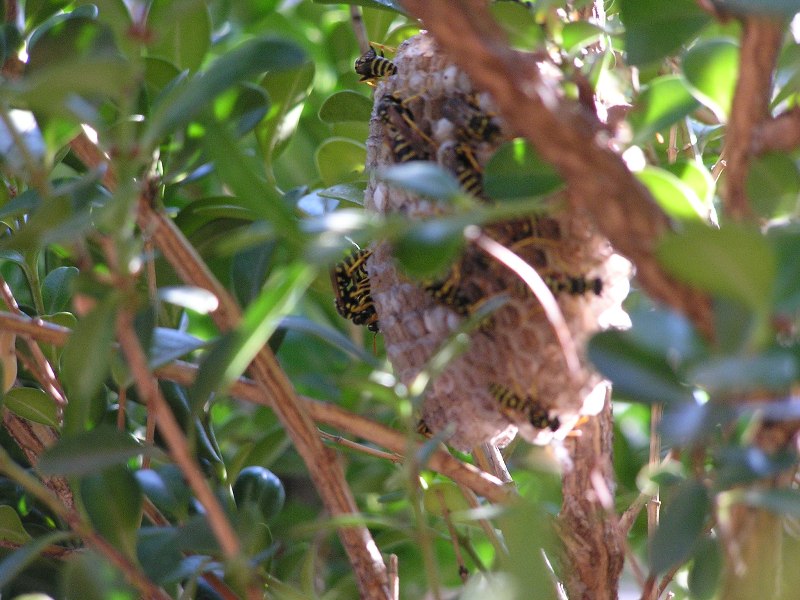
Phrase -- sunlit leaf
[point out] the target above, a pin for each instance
(181, 31)
(247, 60)
(711, 67)
(663, 102)
(288, 88)
(340, 159)
(654, 29)
(345, 106)
(676, 198)
(32, 404)
(11, 528)
(734, 261)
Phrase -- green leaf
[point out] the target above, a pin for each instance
(345, 106)
(711, 67)
(340, 159)
(159, 554)
(11, 528)
(734, 262)
(182, 32)
(21, 558)
(57, 289)
(287, 88)
(247, 60)
(681, 526)
(637, 372)
(516, 171)
(89, 576)
(697, 177)
(705, 572)
(664, 101)
(113, 500)
(92, 451)
(232, 353)
(422, 177)
(32, 404)
(773, 185)
(655, 29)
(252, 192)
(727, 375)
(168, 345)
(785, 241)
(676, 198)
(87, 354)
(519, 24)
(429, 247)
(246, 105)
(578, 34)
(329, 335)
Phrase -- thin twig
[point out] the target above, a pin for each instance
(33, 486)
(176, 441)
(760, 45)
(539, 288)
(463, 572)
(325, 413)
(394, 577)
(339, 440)
(359, 29)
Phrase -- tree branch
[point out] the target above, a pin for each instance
(564, 135)
(761, 41)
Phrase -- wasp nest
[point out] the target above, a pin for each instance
(513, 377)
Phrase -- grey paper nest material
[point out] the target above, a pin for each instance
(516, 350)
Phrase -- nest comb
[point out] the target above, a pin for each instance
(513, 378)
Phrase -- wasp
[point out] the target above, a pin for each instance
(352, 290)
(467, 170)
(371, 66)
(423, 429)
(559, 283)
(473, 124)
(406, 139)
(513, 406)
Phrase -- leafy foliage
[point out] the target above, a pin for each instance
(246, 123)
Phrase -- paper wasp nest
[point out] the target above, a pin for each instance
(513, 377)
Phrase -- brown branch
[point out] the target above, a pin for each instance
(565, 136)
(176, 441)
(183, 373)
(781, 134)
(594, 550)
(321, 462)
(761, 42)
(325, 471)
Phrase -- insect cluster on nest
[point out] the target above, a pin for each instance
(513, 377)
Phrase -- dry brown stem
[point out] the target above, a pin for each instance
(761, 41)
(592, 541)
(484, 484)
(564, 135)
(176, 442)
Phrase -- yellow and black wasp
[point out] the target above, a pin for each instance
(514, 406)
(371, 66)
(468, 172)
(406, 139)
(473, 124)
(351, 288)
(560, 283)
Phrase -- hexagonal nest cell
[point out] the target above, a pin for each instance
(513, 376)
